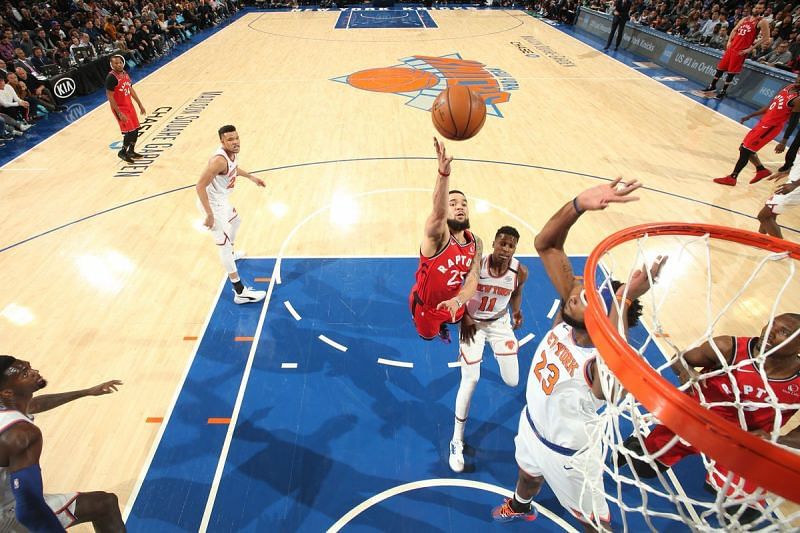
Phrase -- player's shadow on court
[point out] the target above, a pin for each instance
(305, 478)
(355, 295)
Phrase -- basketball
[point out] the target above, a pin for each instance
(458, 113)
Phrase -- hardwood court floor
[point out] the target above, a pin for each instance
(114, 295)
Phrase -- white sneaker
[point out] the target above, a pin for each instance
(24, 126)
(238, 254)
(248, 296)
(456, 456)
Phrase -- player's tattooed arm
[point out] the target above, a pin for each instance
(550, 241)
(471, 282)
(707, 355)
(436, 224)
(470, 285)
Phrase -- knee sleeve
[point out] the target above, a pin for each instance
(226, 256)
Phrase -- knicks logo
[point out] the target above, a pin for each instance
(422, 78)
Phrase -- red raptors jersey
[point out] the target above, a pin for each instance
(440, 277)
(745, 34)
(122, 92)
(752, 389)
(780, 109)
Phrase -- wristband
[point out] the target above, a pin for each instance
(442, 174)
(627, 301)
(575, 205)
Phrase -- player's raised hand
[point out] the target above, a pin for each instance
(104, 388)
(601, 196)
(444, 159)
(640, 282)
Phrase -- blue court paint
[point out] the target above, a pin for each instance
(386, 18)
(176, 488)
(314, 442)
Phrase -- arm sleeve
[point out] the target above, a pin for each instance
(792, 125)
(111, 82)
(31, 509)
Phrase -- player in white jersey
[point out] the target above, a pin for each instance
(563, 390)
(213, 190)
(23, 505)
(786, 195)
(486, 319)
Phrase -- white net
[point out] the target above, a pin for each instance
(709, 289)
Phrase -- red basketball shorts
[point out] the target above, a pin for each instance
(661, 435)
(428, 319)
(132, 120)
(760, 135)
(732, 61)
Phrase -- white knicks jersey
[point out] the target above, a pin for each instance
(494, 293)
(7, 419)
(222, 184)
(559, 396)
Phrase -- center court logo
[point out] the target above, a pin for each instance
(422, 78)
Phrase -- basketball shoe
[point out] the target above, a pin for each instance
(248, 295)
(727, 180)
(504, 513)
(456, 456)
(122, 154)
(760, 175)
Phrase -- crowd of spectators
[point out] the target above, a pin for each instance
(705, 22)
(41, 38)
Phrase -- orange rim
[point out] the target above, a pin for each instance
(757, 460)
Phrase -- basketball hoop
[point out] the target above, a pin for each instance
(761, 462)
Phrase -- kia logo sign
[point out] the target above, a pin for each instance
(64, 88)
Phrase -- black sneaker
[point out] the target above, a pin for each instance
(135, 155)
(122, 154)
(721, 95)
(642, 468)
